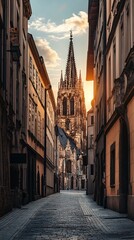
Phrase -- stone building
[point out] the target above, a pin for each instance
(71, 116)
(96, 70)
(118, 62)
(14, 17)
(90, 152)
(120, 104)
(41, 138)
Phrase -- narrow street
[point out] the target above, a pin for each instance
(65, 215)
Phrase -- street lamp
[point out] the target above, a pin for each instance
(45, 137)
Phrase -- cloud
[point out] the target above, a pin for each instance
(77, 23)
(50, 56)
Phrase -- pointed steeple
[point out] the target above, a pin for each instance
(80, 79)
(71, 73)
(80, 76)
(61, 80)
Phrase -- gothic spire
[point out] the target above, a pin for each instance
(61, 80)
(71, 73)
(79, 83)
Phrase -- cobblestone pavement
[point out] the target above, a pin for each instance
(69, 215)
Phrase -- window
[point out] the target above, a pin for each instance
(109, 7)
(34, 76)
(67, 124)
(109, 76)
(68, 166)
(128, 31)
(30, 112)
(114, 59)
(72, 106)
(91, 143)
(37, 80)
(39, 126)
(92, 120)
(121, 43)
(30, 68)
(24, 54)
(64, 106)
(92, 169)
(112, 165)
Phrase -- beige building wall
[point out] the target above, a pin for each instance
(35, 122)
(50, 144)
(130, 114)
(35, 119)
(120, 46)
(112, 136)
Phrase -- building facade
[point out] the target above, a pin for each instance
(120, 104)
(90, 152)
(71, 116)
(41, 138)
(96, 65)
(117, 72)
(35, 122)
(51, 150)
(27, 112)
(13, 73)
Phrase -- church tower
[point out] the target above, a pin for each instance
(71, 111)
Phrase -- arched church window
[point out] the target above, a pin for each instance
(72, 106)
(67, 124)
(68, 166)
(65, 106)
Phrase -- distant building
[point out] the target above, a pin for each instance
(90, 152)
(67, 160)
(71, 116)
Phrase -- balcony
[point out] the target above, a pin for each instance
(129, 71)
(124, 85)
(118, 91)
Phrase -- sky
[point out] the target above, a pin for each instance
(50, 25)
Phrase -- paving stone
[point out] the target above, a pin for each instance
(69, 215)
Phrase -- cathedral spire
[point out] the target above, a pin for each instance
(71, 73)
(61, 80)
(71, 36)
(80, 80)
(80, 75)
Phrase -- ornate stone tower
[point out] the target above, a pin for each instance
(71, 111)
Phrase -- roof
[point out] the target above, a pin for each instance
(63, 137)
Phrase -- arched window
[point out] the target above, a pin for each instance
(68, 166)
(65, 106)
(67, 124)
(72, 106)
